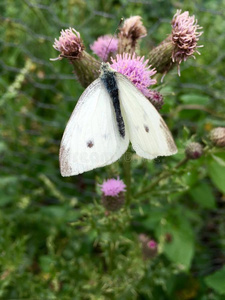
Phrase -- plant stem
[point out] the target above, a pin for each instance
(163, 175)
(127, 174)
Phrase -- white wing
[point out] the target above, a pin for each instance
(149, 135)
(91, 138)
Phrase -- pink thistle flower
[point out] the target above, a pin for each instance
(113, 194)
(149, 246)
(185, 36)
(69, 43)
(152, 245)
(104, 46)
(112, 187)
(136, 70)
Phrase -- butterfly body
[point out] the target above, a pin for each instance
(108, 78)
(110, 113)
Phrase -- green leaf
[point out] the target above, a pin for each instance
(181, 248)
(203, 195)
(219, 158)
(217, 174)
(190, 178)
(194, 99)
(216, 281)
(46, 263)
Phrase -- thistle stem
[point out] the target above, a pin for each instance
(163, 175)
(127, 175)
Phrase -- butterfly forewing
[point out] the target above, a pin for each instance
(149, 135)
(91, 138)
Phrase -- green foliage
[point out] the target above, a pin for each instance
(56, 240)
(216, 281)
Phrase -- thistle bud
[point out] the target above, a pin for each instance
(70, 46)
(156, 99)
(113, 197)
(131, 31)
(178, 46)
(217, 136)
(149, 246)
(194, 150)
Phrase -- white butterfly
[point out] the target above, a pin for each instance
(110, 113)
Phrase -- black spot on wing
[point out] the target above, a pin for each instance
(146, 128)
(90, 144)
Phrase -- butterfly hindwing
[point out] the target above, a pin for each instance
(149, 135)
(91, 138)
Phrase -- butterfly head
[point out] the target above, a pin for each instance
(105, 68)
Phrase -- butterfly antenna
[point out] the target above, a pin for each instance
(120, 22)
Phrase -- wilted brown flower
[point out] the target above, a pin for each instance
(132, 30)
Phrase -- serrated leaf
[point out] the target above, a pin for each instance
(216, 281)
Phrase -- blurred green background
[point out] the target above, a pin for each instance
(56, 241)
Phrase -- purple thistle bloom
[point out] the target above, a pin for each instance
(136, 70)
(152, 245)
(69, 43)
(149, 247)
(113, 187)
(104, 46)
(185, 36)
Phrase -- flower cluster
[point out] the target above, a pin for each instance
(181, 44)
